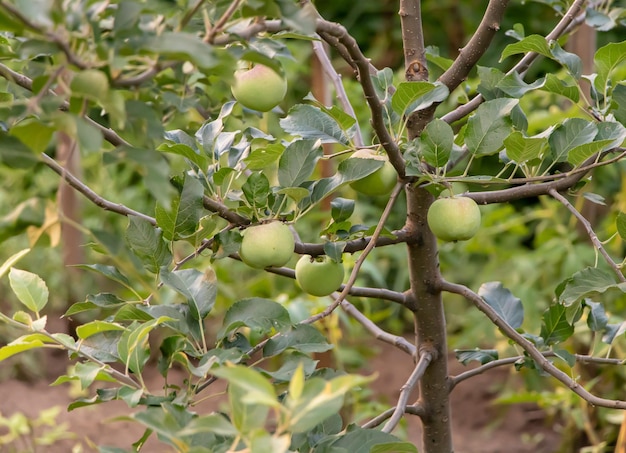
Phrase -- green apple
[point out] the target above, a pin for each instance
(454, 219)
(381, 181)
(268, 244)
(259, 88)
(90, 83)
(319, 276)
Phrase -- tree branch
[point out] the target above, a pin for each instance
(413, 409)
(477, 45)
(592, 234)
(425, 358)
(378, 333)
(530, 348)
(92, 196)
(25, 82)
(363, 68)
(455, 380)
(342, 96)
(56, 39)
(415, 65)
(522, 66)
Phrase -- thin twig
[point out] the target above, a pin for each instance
(92, 196)
(592, 234)
(455, 380)
(376, 108)
(219, 25)
(395, 340)
(25, 82)
(51, 36)
(342, 96)
(413, 409)
(530, 348)
(422, 364)
(523, 65)
(359, 262)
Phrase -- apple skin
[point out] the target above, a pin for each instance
(454, 219)
(378, 183)
(268, 244)
(319, 276)
(260, 88)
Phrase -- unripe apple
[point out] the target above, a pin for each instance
(454, 219)
(381, 181)
(260, 88)
(268, 244)
(319, 276)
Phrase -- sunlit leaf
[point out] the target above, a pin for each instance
(29, 288)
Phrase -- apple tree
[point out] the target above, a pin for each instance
(202, 161)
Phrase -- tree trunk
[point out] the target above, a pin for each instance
(430, 324)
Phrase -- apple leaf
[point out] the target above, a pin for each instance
(508, 307)
(489, 126)
(479, 355)
(586, 282)
(555, 328)
(310, 122)
(297, 162)
(259, 314)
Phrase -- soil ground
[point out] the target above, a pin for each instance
(479, 426)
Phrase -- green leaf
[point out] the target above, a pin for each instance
(571, 61)
(16, 154)
(250, 394)
(259, 314)
(571, 133)
(359, 440)
(199, 288)
(133, 347)
(33, 134)
(508, 307)
(597, 319)
(260, 158)
(310, 122)
(166, 420)
(349, 170)
(298, 162)
(514, 86)
(532, 43)
(217, 424)
(91, 328)
(555, 328)
(29, 288)
(182, 217)
(579, 154)
(334, 250)
(20, 344)
(182, 46)
(606, 60)
(412, 96)
(340, 209)
(489, 126)
(435, 143)
(479, 355)
(256, 189)
(320, 399)
(110, 272)
(147, 243)
(587, 282)
(302, 337)
(521, 149)
(557, 86)
(12, 260)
